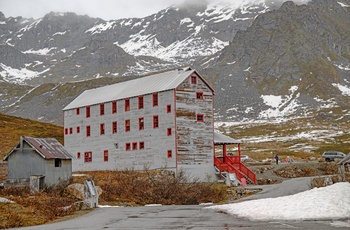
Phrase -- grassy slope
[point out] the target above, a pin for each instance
(11, 128)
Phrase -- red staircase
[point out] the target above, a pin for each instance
(233, 164)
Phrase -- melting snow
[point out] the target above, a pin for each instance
(18, 75)
(101, 27)
(343, 5)
(344, 89)
(44, 51)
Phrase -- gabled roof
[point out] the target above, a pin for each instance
(48, 148)
(220, 139)
(140, 86)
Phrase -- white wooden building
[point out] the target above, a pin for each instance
(159, 121)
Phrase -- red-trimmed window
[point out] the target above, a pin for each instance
(193, 79)
(127, 125)
(134, 146)
(127, 104)
(168, 108)
(114, 107)
(70, 130)
(127, 146)
(155, 122)
(155, 99)
(140, 102)
(88, 157)
(78, 155)
(200, 95)
(168, 131)
(78, 129)
(102, 129)
(200, 117)
(102, 109)
(142, 145)
(170, 154)
(66, 131)
(114, 127)
(77, 111)
(141, 123)
(87, 111)
(88, 131)
(105, 155)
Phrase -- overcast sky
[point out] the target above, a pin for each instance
(105, 9)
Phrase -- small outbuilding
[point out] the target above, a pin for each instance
(43, 159)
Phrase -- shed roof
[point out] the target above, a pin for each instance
(220, 139)
(48, 148)
(140, 86)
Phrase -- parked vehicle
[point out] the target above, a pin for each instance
(332, 155)
(244, 158)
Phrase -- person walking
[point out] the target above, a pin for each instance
(276, 157)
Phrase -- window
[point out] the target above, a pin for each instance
(200, 95)
(114, 107)
(66, 131)
(114, 127)
(78, 155)
(102, 109)
(77, 111)
(58, 162)
(70, 130)
(168, 131)
(78, 129)
(170, 154)
(105, 155)
(141, 123)
(155, 122)
(87, 111)
(134, 146)
(140, 102)
(193, 79)
(88, 157)
(168, 108)
(127, 146)
(155, 99)
(102, 129)
(142, 145)
(200, 117)
(88, 133)
(127, 125)
(127, 104)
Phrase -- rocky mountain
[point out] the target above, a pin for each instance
(265, 60)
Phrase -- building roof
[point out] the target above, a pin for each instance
(48, 148)
(220, 139)
(140, 86)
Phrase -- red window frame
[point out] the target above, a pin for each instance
(155, 121)
(105, 155)
(141, 123)
(102, 109)
(142, 145)
(170, 153)
(168, 131)
(66, 131)
(77, 111)
(193, 79)
(87, 157)
(155, 99)
(87, 110)
(168, 108)
(78, 129)
(141, 104)
(114, 106)
(200, 117)
(127, 104)
(88, 131)
(134, 146)
(102, 129)
(127, 125)
(70, 130)
(78, 155)
(114, 127)
(127, 146)
(199, 95)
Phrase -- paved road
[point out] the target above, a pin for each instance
(192, 216)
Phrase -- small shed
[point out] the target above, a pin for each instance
(43, 158)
